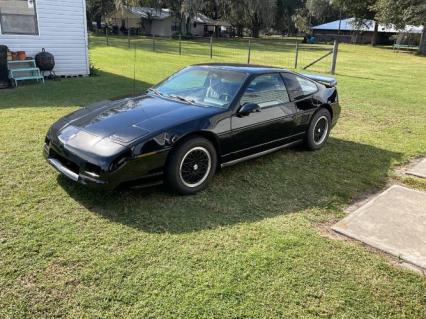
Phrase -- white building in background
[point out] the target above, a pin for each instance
(59, 26)
(162, 22)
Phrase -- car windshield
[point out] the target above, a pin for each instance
(204, 86)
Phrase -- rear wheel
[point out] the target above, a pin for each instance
(191, 166)
(319, 130)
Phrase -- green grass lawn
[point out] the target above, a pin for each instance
(249, 246)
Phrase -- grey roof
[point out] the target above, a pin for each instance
(153, 13)
(161, 13)
(367, 25)
(203, 19)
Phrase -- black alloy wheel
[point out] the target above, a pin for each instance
(319, 130)
(191, 166)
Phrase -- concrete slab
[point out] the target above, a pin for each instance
(394, 221)
(419, 169)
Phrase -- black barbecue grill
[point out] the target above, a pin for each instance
(46, 62)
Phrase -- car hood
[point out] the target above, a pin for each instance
(126, 120)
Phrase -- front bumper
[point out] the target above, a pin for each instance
(143, 170)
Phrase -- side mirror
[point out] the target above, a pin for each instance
(248, 108)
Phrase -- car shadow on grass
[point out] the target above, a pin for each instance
(71, 92)
(285, 182)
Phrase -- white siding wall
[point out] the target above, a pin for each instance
(198, 30)
(62, 32)
(162, 28)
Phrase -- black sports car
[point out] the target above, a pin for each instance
(201, 118)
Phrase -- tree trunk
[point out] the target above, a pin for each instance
(422, 45)
(180, 25)
(375, 33)
(240, 29)
(255, 31)
(98, 21)
(216, 16)
(89, 21)
(255, 26)
(188, 26)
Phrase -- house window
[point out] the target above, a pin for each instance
(18, 17)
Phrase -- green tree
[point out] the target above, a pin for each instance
(251, 14)
(402, 13)
(189, 9)
(214, 9)
(301, 20)
(321, 10)
(121, 4)
(96, 9)
(260, 14)
(234, 12)
(285, 9)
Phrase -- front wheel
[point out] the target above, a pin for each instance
(191, 166)
(319, 130)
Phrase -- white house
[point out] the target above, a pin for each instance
(57, 26)
(162, 22)
(144, 20)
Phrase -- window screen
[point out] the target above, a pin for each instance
(18, 17)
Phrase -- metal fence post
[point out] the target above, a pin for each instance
(249, 52)
(153, 42)
(134, 72)
(211, 47)
(106, 36)
(128, 36)
(334, 59)
(296, 55)
(180, 44)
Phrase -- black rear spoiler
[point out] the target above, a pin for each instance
(329, 81)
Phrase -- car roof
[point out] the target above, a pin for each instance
(246, 68)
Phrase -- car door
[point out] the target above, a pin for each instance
(302, 92)
(272, 124)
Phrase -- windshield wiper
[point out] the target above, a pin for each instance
(183, 99)
(174, 96)
(155, 91)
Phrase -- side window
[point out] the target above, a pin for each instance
(266, 90)
(298, 87)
